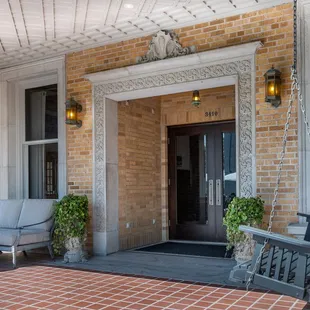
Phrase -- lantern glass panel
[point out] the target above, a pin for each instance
(277, 87)
(196, 98)
(71, 114)
(271, 88)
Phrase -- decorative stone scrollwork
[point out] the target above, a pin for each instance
(165, 44)
(241, 68)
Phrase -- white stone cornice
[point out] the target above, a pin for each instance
(218, 56)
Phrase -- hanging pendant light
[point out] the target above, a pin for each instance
(196, 98)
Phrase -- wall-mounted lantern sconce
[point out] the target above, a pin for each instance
(196, 98)
(273, 86)
(72, 109)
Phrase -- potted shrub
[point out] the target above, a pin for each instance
(243, 211)
(71, 217)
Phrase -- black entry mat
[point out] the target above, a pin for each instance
(209, 250)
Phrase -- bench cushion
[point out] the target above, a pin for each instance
(28, 236)
(10, 212)
(37, 211)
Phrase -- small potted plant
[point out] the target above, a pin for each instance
(243, 211)
(71, 217)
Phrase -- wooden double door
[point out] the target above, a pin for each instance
(202, 180)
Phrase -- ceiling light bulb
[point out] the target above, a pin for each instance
(128, 6)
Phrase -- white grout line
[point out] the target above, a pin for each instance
(260, 298)
(207, 294)
(85, 279)
(294, 304)
(275, 303)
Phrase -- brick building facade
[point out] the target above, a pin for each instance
(130, 150)
(273, 27)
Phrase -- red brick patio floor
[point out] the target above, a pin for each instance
(41, 287)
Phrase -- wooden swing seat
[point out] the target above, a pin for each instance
(284, 267)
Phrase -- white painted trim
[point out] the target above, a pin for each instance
(41, 73)
(304, 76)
(36, 142)
(4, 142)
(218, 56)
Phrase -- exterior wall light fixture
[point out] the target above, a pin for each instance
(273, 87)
(196, 98)
(72, 109)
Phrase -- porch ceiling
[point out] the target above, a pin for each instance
(37, 29)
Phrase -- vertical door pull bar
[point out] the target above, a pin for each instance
(211, 194)
(218, 192)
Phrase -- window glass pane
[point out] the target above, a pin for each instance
(41, 113)
(43, 171)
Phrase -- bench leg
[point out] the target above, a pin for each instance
(14, 256)
(0, 252)
(50, 249)
(25, 254)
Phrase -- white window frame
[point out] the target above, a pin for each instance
(23, 86)
(14, 82)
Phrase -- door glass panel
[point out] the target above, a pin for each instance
(191, 178)
(229, 167)
(43, 167)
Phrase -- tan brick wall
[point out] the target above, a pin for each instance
(143, 166)
(139, 172)
(273, 27)
(177, 108)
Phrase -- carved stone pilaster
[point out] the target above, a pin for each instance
(99, 212)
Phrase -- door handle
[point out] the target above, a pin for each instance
(211, 194)
(218, 193)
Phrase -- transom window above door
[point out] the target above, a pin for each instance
(40, 146)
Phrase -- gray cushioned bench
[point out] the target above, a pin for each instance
(25, 225)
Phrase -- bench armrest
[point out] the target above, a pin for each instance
(278, 240)
(25, 226)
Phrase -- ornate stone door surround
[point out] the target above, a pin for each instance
(226, 66)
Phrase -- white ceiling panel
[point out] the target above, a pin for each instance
(37, 29)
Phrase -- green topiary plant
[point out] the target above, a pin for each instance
(71, 217)
(242, 211)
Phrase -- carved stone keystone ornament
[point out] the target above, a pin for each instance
(165, 44)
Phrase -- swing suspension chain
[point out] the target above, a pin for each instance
(280, 166)
(294, 86)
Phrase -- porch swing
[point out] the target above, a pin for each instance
(280, 263)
